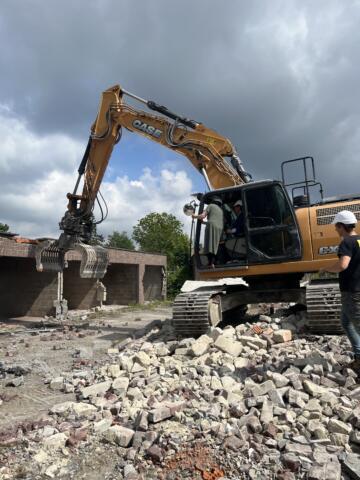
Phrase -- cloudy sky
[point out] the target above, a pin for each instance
(280, 78)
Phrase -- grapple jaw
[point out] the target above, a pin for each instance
(94, 260)
(50, 257)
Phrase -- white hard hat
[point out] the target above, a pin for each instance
(346, 217)
(238, 203)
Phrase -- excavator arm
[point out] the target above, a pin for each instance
(210, 153)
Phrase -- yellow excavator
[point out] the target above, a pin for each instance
(286, 234)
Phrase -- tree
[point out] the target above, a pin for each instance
(120, 240)
(163, 233)
(4, 227)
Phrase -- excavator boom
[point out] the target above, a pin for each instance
(210, 153)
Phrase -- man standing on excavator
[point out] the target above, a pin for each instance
(348, 268)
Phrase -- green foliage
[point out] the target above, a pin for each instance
(163, 233)
(176, 279)
(120, 240)
(4, 227)
(153, 305)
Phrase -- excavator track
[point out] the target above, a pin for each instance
(194, 312)
(323, 300)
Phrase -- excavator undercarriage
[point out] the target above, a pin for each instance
(195, 311)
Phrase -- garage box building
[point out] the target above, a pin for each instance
(132, 277)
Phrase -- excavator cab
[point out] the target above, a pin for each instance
(270, 233)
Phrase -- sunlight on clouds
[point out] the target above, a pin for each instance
(25, 157)
(36, 173)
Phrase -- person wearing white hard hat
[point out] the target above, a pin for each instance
(237, 227)
(348, 268)
(235, 244)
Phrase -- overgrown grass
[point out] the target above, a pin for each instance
(153, 305)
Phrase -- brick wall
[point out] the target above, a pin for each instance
(23, 290)
(79, 292)
(152, 283)
(132, 277)
(121, 282)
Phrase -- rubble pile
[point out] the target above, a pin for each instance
(257, 401)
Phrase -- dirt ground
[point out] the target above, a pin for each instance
(43, 350)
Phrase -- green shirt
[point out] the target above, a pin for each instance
(215, 216)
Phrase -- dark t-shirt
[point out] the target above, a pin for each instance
(239, 225)
(349, 279)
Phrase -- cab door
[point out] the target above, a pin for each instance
(272, 229)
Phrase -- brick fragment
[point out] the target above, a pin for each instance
(155, 453)
(281, 336)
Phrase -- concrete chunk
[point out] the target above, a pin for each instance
(298, 449)
(158, 414)
(55, 441)
(227, 345)
(200, 346)
(313, 389)
(328, 471)
(57, 383)
(62, 408)
(241, 362)
(247, 339)
(281, 336)
(141, 422)
(355, 437)
(102, 425)
(114, 370)
(96, 389)
(276, 398)
(266, 412)
(351, 466)
(337, 426)
(279, 380)
(84, 409)
(142, 358)
(262, 388)
(120, 386)
(122, 436)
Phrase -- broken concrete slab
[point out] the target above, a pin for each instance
(351, 466)
(122, 436)
(96, 389)
(228, 345)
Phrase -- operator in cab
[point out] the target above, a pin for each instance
(214, 228)
(235, 242)
(237, 227)
(348, 268)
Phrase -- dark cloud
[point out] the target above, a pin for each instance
(279, 78)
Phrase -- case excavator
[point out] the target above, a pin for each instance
(287, 233)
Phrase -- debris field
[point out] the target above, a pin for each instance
(260, 400)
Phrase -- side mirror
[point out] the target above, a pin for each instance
(189, 208)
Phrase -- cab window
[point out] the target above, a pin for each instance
(272, 228)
